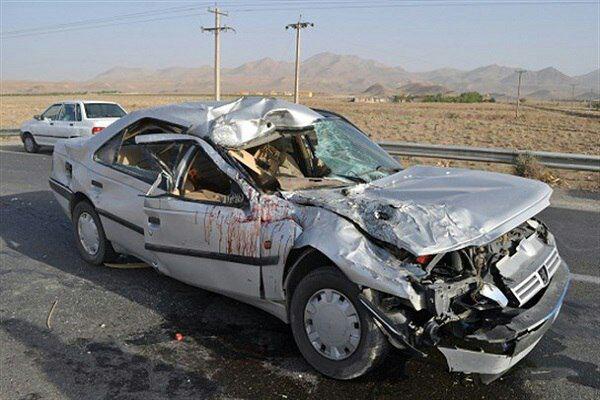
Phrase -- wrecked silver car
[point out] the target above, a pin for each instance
(299, 213)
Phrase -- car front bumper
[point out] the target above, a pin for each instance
(492, 352)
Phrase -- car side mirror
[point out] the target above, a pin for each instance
(37, 116)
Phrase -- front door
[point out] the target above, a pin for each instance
(208, 233)
(45, 132)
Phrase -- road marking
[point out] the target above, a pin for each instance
(586, 278)
(22, 153)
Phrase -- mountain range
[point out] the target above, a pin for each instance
(324, 73)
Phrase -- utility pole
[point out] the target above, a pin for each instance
(298, 26)
(520, 72)
(573, 94)
(217, 30)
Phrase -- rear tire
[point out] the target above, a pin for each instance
(89, 235)
(30, 144)
(338, 320)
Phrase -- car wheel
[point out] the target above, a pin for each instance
(333, 331)
(89, 234)
(29, 143)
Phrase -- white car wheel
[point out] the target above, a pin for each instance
(88, 233)
(29, 143)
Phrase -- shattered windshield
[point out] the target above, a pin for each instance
(348, 153)
(330, 153)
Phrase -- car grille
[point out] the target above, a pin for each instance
(538, 279)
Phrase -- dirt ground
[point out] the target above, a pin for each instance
(547, 127)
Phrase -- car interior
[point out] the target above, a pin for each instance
(287, 163)
(200, 180)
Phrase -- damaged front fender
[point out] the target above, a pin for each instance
(358, 258)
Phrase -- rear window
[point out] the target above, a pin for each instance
(102, 110)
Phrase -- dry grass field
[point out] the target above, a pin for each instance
(483, 125)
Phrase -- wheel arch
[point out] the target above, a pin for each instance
(299, 263)
(77, 198)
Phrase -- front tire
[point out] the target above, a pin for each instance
(30, 144)
(333, 331)
(89, 235)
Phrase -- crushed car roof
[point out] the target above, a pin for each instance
(233, 124)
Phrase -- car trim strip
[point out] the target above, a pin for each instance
(234, 258)
(121, 221)
(53, 136)
(60, 189)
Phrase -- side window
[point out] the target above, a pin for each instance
(205, 181)
(78, 113)
(67, 113)
(52, 112)
(108, 152)
(143, 161)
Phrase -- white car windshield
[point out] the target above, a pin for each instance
(332, 152)
(349, 153)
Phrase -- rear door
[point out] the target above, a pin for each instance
(123, 173)
(208, 234)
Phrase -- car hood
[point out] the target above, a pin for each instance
(428, 210)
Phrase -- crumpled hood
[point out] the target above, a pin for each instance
(428, 210)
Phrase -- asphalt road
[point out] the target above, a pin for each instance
(112, 330)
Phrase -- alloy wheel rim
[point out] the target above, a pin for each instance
(332, 324)
(88, 233)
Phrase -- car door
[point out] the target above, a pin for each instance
(44, 131)
(207, 235)
(123, 173)
(66, 126)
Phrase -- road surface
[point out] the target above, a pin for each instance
(112, 330)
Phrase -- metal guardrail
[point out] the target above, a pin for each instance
(579, 162)
(9, 132)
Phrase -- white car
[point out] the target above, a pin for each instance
(68, 119)
(297, 212)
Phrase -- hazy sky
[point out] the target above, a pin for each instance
(457, 34)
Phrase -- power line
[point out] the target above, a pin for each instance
(103, 25)
(433, 3)
(92, 21)
(270, 6)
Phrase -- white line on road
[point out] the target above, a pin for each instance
(21, 152)
(586, 278)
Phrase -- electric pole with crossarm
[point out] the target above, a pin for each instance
(217, 30)
(298, 26)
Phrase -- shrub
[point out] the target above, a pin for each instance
(467, 97)
(528, 166)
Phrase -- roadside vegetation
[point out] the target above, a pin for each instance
(467, 97)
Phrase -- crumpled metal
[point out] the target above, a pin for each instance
(429, 210)
(247, 119)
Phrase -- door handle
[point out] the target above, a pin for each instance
(97, 184)
(71, 124)
(51, 123)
